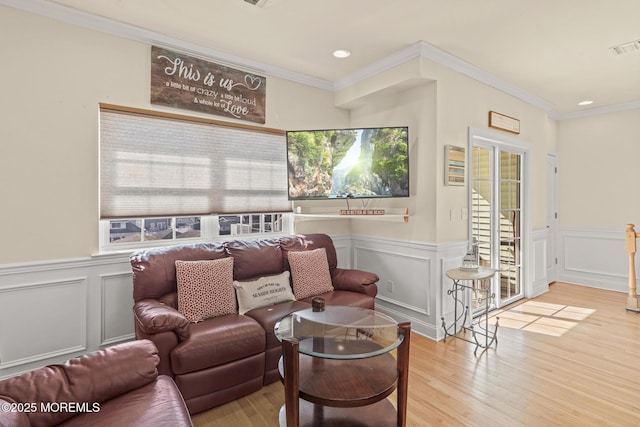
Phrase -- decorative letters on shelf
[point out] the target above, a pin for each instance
(182, 81)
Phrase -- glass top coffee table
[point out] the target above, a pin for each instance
(341, 332)
(337, 366)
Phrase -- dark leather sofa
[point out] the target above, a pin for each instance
(116, 386)
(223, 358)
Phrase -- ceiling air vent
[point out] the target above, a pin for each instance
(258, 3)
(633, 46)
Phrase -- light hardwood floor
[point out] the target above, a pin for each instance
(585, 375)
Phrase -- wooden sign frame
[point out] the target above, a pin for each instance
(189, 83)
(502, 122)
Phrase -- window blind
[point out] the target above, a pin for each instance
(155, 166)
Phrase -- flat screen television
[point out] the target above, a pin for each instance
(348, 163)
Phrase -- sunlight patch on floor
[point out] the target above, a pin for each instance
(541, 318)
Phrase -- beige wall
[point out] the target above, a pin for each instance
(465, 102)
(54, 76)
(57, 75)
(439, 106)
(598, 174)
(414, 107)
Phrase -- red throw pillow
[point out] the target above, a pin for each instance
(205, 288)
(310, 273)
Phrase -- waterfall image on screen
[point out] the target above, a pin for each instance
(340, 163)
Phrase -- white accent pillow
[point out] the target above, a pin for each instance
(263, 292)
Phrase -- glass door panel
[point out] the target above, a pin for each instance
(481, 212)
(496, 215)
(510, 214)
(482, 203)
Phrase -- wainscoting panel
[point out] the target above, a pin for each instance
(342, 244)
(402, 277)
(413, 283)
(411, 278)
(54, 310)
(539, 264)
(117, 316)
(594, 257)
(447, 302)
(42, 320)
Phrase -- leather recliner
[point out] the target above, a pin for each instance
(223, 358)
(115, 386)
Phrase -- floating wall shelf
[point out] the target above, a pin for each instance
(390, 214)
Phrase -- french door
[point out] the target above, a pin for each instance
(496, 199)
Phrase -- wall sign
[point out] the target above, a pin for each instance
(500, 121)
(181, 81)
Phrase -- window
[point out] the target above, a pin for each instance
(230, 225)
(167, 177)
(149, 232)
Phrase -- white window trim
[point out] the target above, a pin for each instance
(209, 232)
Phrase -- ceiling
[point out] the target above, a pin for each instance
(554, 52)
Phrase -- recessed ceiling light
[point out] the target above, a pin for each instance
(341, 53)
(585, 102)
(259, 3)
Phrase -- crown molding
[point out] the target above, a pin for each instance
(452, 62)
(93, 22)
(427, 51)
(380, 66)
(420, 49)
(599, 111)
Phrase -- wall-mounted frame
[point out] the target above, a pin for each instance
(500, 121)
(454, 165)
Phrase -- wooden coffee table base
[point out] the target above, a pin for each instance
(379, 414)
(345, 383)
(344, 392)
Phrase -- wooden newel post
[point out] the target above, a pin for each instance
(632, 298)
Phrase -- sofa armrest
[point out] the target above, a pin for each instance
(156, 404)
(360, 281)
(10, 415)
(87, 380)
(154, 317)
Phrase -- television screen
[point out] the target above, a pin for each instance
(345, 163)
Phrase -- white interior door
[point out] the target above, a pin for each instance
(552, 218)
